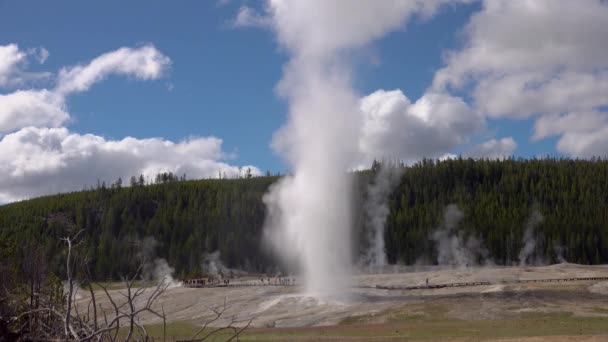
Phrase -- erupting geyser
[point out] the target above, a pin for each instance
(309, 212)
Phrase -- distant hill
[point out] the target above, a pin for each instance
(182, 221)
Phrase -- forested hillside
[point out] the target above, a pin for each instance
(497, 199)
(189, 219)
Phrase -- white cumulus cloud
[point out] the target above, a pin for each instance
(10, 58)
(493, 149)
(527, 94)
(144, 63)
(583, 134)
(38, 161)
(38, 156)
(393, 127)
(24, 108)
(543, 59)
(541, 36)
(13, 61)
(47, 107)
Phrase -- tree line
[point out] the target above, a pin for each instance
(189, 219)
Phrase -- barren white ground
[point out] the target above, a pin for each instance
(287, 307)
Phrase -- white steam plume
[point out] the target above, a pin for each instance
(376, 211)
(213, 266)
(559, 251)
(162, 272)
(529, 240)
(312, 208)
(154, 268)
(309, 212)
(452, 247)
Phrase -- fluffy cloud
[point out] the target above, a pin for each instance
(393, 127)
(493, 149)
(12, 62)
(527, 94)
(540, 36)
(39, 157)
(47, 107)
(583, 134)
(24, 108)
(144, 63)
(539, 58)
(37, 161)
(10, 58)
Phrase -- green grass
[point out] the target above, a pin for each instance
(600, 310)
(358, 319)
(176, 331)
(431, 324)
(437, 326)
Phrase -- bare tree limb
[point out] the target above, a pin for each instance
(70, 242)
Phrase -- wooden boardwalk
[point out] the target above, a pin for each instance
(208, 283)
(483, 283)
(291, 282)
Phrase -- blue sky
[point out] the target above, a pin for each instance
(221, 80)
